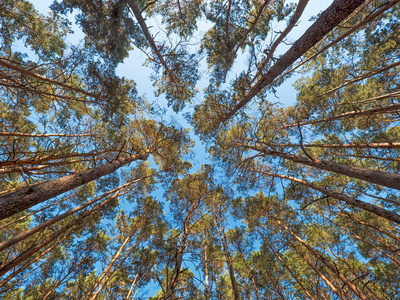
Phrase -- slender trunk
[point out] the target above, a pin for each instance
(8, 65)
(327, 21)
(284, 263)
(320, 274)
(227, 255)
(37, 161)
(388, 215)
(387, 179)
(21, 269)
(248, 269)
(362, 77)
(27, 197)
(138, 15)
(137, 276)
(170, 292)
(341, 276)
(23, 134)
(350, 114)
(217, 287)
(107, 278)
(206, 276)
(58, 218)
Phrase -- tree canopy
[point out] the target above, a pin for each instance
(207, 185)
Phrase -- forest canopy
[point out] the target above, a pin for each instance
(195, 180)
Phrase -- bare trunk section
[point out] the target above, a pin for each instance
(331, 267)
(27, 197)
(25, 266)
(8, 65)
(387, 179)
(284, 263)
(29, 232)
(388, 215)
(138, 15)
(169, 293)
(350, 114)
(320, 274)
(23, 134)
(227, 255)
(327, 21)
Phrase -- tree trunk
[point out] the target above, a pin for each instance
(347, 282)
(138, 15)
(387, 179)
(137, 276)
(320, 274)
(24, 198)
(108, 269)
(327, 21)
(227, 255)
(388, 215)
(22, 268)
(350, 114)
(284, 263)
(169, 293)
(29, 232)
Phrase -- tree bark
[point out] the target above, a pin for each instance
(320, 274)
(388, 215)
(284, 263)
(356, 113)
(387, 179)
(360, 25)
(327, 21)
(169, 294)
(346, 281)
(227, 255)
(29, 232)
(23, 134)
(27, 197)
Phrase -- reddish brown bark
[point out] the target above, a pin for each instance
(331, 267)
(27, 197)
(350, 114)
(227, 255)
(327, 21)
(387, 179)
(391, 216)
(284, 263)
